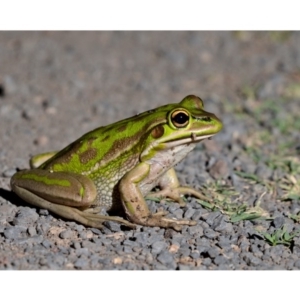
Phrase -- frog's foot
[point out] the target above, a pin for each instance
(175, 194)
(159, 220)
(170, 188)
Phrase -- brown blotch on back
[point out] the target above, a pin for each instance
(105, 138)
(87, 155)
(90, 141)
(122, 128)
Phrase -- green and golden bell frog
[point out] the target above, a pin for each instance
(118, 165)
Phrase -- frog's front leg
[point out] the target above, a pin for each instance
(171, 189)
(135, 205)
(63, 193)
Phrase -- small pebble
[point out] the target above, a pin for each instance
(158, 246)
(165, 258)
(66, 234)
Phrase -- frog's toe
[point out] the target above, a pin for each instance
(177, 224)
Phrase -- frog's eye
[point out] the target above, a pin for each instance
(180, 118)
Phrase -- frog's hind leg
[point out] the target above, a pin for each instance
(171, 189)
(65, 194)
(72, 213)
(39, 159)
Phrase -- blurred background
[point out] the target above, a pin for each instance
(55, 86)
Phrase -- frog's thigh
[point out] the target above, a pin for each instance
(65, 188)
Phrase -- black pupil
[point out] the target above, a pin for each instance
(181, 118)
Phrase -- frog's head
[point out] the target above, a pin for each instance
(180, 124)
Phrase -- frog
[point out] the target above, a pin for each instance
(117, 167)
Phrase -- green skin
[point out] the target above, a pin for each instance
(118, 165)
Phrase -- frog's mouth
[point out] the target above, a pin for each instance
(188, 140)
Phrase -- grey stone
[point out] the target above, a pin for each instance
(158, 246)
(209, 233)
(197, 215)
(278, 222)
(183, 267)
(130, 243)
(113, 226)
(195, 230)
(220, 260)
(32, 231)
(178, 213)
(66, 234)
(127, 249)
(189, 213)
(195, 254)
(173, 206)
(206, 261)
(25, 216)
(297, 264)
(81, 263)
(184, 251)
(96, 231)
(210, 218)
(165, 258)
(221, 225)
(82, 251)
(225, 245)
(13, 233)
(31, 240)
(213, 252)
(76, 245)
(47, 244)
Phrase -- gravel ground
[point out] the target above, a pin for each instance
(55, 86)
